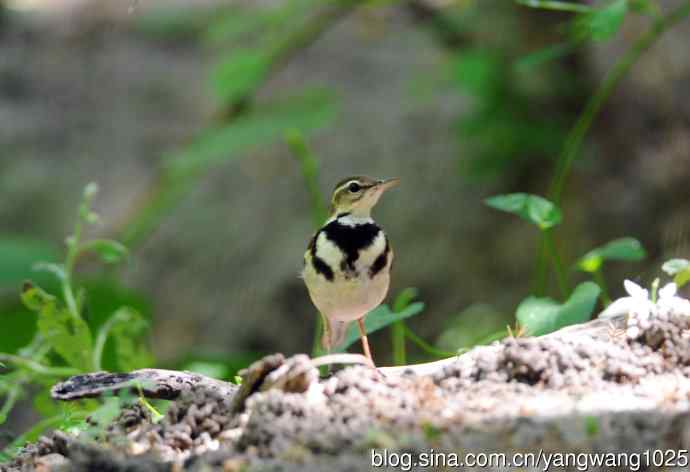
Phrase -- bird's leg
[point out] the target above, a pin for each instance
(365, 342)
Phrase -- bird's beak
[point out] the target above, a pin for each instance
(388, 183)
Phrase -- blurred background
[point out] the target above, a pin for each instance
(179, 110)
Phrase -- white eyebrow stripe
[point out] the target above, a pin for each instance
(347, 184)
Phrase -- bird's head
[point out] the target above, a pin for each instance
(358, 195)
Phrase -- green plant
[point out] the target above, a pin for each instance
(538, 315)
(623, 249)
(598, 24)
(65, 344)
(679, 269)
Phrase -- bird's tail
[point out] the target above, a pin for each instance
(334, 333)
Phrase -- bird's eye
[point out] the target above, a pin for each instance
(354, 187)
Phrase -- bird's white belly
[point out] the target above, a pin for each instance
(347, 299)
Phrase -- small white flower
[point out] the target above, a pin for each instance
(639, 307)
(637, 303)
(635, 291)
(668, 291)
(670, 303)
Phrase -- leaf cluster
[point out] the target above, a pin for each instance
(65, 343)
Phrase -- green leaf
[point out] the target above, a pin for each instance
(377, 319)
(128, 332)
(603, 23)
(305, 114)
(679, 269)
(479, 72)
(240, 74)
(623, 249)
(533, 208)
(111, 252)
(675, 266)
(539, 316)
(68, 335)
(17, 257)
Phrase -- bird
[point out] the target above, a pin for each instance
(348, 260)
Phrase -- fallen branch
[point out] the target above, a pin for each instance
(295, 374)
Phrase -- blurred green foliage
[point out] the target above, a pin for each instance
(65, 340)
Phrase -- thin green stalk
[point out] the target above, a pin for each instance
(309, 166)
(576, 136)
(38, 368)
(318, 331)
(11, 398)
(398, 343)
(97, 356)
(72, 252)
(561, 276)
(540, 269)
(425, 346)
(598, 276)
(556, 5)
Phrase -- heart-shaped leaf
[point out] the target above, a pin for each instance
(377, 319)
(533, 208)
(540, 316)
(679, 269)
(623, 249)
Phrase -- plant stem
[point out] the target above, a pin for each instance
(310, 173)
(425, 346)
(11, 398)
(398, 342)
(168, 190)
(101, 340)
(556, 5)
(318, 330)
(561, 276)
(540, 269)
(598, 276)
(72, 252)
(33, 366)
(575, 138)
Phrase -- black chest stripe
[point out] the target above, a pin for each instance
(380, 261)
(351, 239)
(319, 264)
